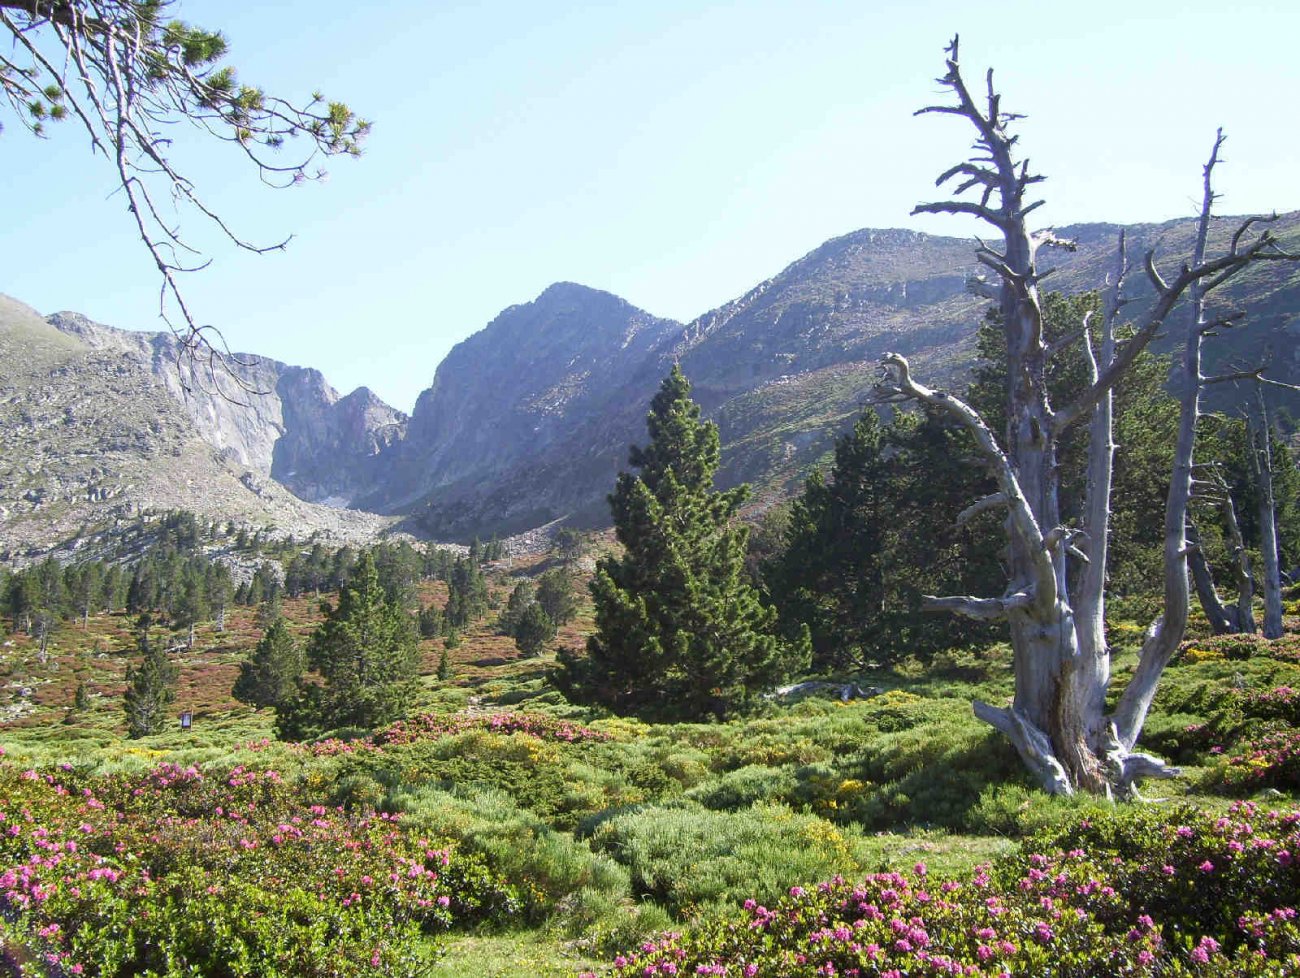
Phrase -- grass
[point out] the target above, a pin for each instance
(510, 955)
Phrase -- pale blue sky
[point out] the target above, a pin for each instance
(673, 153)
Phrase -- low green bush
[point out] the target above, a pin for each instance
(686, 857)
(549, 868)
(743, 787)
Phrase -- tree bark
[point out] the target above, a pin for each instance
(1165, 634)
(1220, 619)
(1243, 614)
(1261, 461)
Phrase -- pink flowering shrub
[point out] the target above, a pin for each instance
(1271, 760)
(1277, 703)
(181, 871)
(1137, 893)
(1236, 714)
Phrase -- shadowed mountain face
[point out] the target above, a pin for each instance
(529, 420)
(518, 402)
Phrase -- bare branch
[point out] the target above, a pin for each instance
(129, 71)
(1207, 275)
(1022, 517)
(983, 609)
(1277, 383)
(1069, 339)
(961, 207)
(1047, 238)
(1235, 376)
(991, 501)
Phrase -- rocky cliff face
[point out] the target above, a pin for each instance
(329, 451)
(282, 422)
(89, 438)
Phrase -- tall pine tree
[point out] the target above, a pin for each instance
(270, 676)
(367, 653)
(150, 687)
(680, 630)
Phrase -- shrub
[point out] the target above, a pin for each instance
(1272, 761)
(743, 787)
(221, 872)
(1136, 893)
(686, 857)
(547, 867)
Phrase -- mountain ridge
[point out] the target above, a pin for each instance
(784, 368)
(90, 439)
(282, 421)
(528, 420)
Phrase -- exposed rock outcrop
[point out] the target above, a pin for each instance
(280, 421)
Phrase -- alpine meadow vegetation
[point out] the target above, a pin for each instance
(683, 748)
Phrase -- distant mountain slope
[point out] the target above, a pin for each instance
(783, 369)
(89, 438)
(811, 338)
(529, 420)
(280, 421)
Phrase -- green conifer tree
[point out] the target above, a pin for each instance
(269, 677)
(367, 653)
(556, 595)
(864, 542)
(533, 630)
(467, 589)
(150, 687)
(190, 606)
(523, 596)
(680, 630)
(430, 622)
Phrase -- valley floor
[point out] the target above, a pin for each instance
(525, 836)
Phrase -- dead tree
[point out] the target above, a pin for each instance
(1260, 455)
(1058, 720)
(1224, 619)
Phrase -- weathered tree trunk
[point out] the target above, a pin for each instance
(1057, 719)
(1243, 615)
(1261, 462)
(1203, 581)
(1224, 620)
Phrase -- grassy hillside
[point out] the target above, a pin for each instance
(560, 838)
